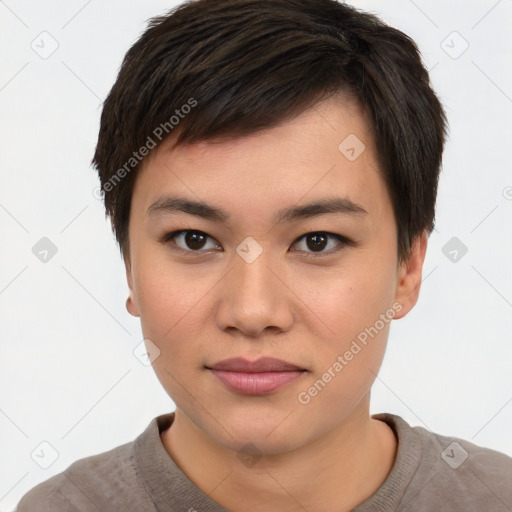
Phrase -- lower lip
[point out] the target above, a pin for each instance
(255, 383)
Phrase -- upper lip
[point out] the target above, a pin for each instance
(265, 364)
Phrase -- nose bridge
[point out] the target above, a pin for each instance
(254, 278)
(252, 298)
(251, 267)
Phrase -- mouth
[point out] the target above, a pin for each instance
(255, 377)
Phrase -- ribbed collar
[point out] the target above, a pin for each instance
(410, 447)
(170, 489)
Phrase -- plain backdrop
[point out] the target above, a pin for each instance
(70, 385)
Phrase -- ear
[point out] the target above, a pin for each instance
(409, 276)
(131, 303)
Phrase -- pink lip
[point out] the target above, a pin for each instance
(255, 377)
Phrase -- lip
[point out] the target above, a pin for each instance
(255, 377)
(264, 364)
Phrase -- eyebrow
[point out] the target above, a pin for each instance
(174, 204)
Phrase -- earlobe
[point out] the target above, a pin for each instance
(131, 305)
(409, 276)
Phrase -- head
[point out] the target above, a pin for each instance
(230, 119)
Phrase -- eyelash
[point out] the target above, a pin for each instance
(343, 242)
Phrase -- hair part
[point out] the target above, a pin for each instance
(228, 68)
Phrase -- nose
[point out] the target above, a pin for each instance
(252, 299)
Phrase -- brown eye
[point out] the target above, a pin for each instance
(318, 241)
(195, 240)
(191, 240)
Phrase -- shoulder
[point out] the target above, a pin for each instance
(98, 482)
(471, 474)
(459, 474)
(462, 457)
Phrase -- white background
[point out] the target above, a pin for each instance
(67, 372)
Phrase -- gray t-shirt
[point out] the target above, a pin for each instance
(431, 473)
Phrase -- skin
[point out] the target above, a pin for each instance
(291, 303)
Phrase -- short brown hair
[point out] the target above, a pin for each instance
(240, 66)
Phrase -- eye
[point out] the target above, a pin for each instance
(191, 240)
(318, 241)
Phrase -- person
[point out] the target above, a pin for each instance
(270, 170)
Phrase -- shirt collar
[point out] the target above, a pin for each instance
(170, 489)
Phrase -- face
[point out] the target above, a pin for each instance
(316, 288)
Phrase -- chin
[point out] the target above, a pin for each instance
(261, 444)
(261, 434)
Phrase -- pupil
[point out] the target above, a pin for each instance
(318, 241)
(194, 240)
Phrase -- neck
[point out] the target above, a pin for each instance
(335, 472)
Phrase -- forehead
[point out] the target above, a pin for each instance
(324, 151)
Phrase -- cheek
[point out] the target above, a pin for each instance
(172, 301)
(352, 297)
(357, 308)
(356, 305)
(171, 304)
